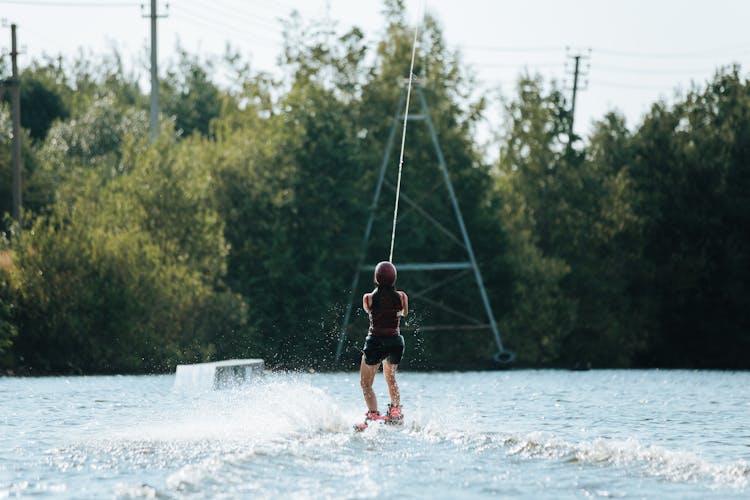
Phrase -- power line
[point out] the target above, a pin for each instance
(655, 72)
(517, 65)
(229, 31)
(270, 5)
(610, 51)
(669, 55)
(223, 21)
(69, 4)
(225, 25)
(495, 83)
(625, 86)
(269, 12)
(235, 15)
(490, 48)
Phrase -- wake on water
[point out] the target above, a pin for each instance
(287, 421)
(240, 439)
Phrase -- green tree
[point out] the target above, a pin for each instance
(541, 315)
(575, 206)
(90, 77)
(691, 178)
(41, 103)
(188, 94)
(8, 328)
(603, 248)
(36, 192)
(126, 273)
(94, 138)
(285, 186)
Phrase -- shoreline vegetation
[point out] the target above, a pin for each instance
(235, 233)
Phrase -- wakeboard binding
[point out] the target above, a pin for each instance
(392, 417)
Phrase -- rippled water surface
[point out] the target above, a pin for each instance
(530, 434)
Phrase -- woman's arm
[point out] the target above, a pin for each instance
(404, 304)
(366, 302)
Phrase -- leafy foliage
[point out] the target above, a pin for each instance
(237, 231)
(691, 176)
(8, 328)
(188, 94)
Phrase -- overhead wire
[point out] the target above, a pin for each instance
(517, 65)
(669, 55)
(237, 39)
(611, 51)
(641, 64)
(651, 71)
(223, 23)
(269, 5)
(233, 33)
(42, 3)
(403, 134)
(236, 15)
(628, 86)
(216, 16)
(491, 48)
(253, 24)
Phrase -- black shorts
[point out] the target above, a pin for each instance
(379, 348)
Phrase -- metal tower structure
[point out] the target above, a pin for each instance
(502, 357)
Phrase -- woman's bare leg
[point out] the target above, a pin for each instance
(366, 379)
(389, 371)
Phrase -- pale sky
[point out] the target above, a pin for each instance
(640, 50)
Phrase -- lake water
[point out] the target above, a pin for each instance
(513, 434)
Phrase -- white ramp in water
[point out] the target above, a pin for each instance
(219, 374)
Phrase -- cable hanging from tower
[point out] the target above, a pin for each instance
(403, 132)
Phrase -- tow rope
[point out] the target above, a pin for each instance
(403, 135)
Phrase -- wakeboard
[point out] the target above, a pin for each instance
(379, 420)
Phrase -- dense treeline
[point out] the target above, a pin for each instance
(236, 233)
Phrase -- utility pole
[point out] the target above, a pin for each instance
(577, 72)
(15, 89)
(573, 100)
(153, 15)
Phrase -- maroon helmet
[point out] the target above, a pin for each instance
(385, 274)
